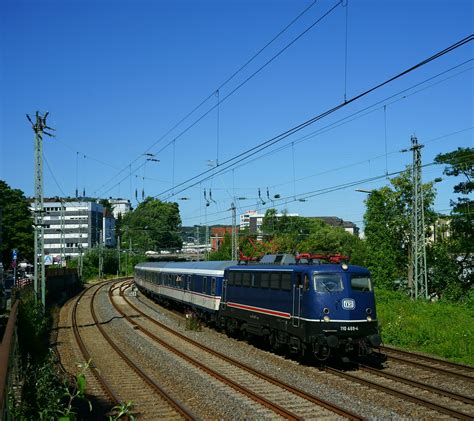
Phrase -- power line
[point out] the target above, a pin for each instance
(231, 162)
(325, 190)
(52, 175)
(231, 77)
(356, 115)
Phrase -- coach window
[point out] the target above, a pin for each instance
(286, 281)
(246, 279)
(265, 280)
(213, 286)
(230, 278)
(188, 283)
(275, 281)
(204, 284)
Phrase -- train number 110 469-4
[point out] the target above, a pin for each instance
(349, 328)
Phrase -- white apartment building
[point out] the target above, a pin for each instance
(252, 220)
(82, 222)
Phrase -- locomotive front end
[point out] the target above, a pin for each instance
(344, 305)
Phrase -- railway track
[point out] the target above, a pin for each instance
(111, 366)
(443, 400)
(436, 365)
(283, 399)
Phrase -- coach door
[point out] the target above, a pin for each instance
(297, 288)
(224, 293)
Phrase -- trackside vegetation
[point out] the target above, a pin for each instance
(441, 328)
(47, 393)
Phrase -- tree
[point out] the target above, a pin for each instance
(225, 249)
(461, 163)
(388, 230)
(153, 225)
(292, 234)
(16, 224)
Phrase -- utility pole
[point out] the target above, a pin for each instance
(418, 242)
(101, 263)
(235, 242)
(39, 268)
(118, 251)
(129, 250)
(63, 242)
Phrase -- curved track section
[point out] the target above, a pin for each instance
(285, 400)
(112, 365)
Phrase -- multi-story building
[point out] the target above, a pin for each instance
(108, 229)
(334, 221)
(252, 220)
(120, 207)
(217, 235)
(83, 226)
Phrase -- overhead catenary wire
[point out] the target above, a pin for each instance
(361, 113)
(53, 176)
(273, 58)
(356, 115)
(426, 142)
(341, 121)
(231, 162)
(327, 190)
(231, 77)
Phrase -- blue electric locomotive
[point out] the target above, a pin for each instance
(314, 308)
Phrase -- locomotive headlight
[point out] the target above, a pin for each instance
(325, 310)
(368, 311)
(344, 266)
(369, 319)
(326, 318)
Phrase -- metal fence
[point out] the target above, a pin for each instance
(8, 362)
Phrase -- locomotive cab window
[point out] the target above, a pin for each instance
(361, 283)
(275, 281)
(246, 279)
(327, 282)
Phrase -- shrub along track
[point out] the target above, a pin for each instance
(111, 366)
(285, 400)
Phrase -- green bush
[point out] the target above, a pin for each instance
(440, 328)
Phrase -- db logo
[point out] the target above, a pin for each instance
(348, 304)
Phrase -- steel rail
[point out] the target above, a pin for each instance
(179, 407)
(386, 389)
(429, 358)
(311, 398)
(85, 353)
(420, 385)
(391, 351)
(223, 379)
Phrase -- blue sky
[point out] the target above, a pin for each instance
(116, 76)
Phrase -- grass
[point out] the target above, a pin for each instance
(439, 328)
